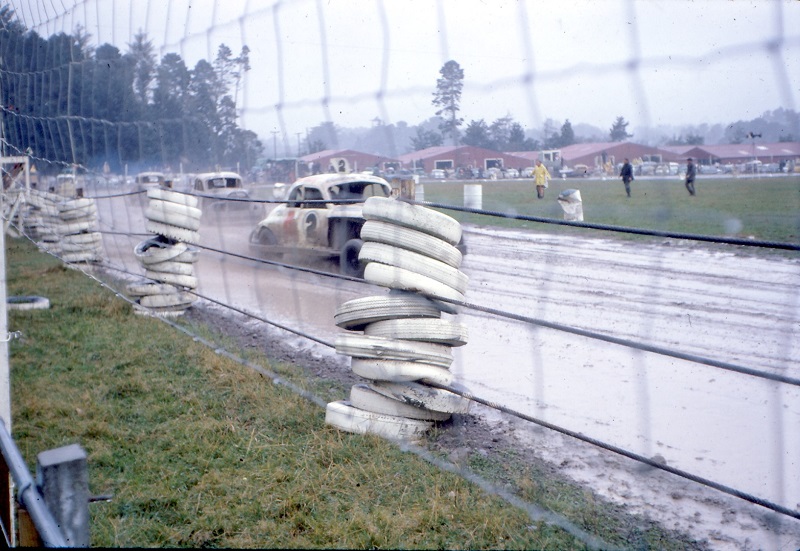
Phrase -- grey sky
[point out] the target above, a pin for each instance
(654, 62)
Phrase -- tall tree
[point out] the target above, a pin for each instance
(619, 130)
(567, 134)
(143, 55)
(448, 98)
(477, 135)
(425, 139)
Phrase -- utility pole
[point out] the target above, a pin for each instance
(752, 135)
(298, 134)
(275, 145)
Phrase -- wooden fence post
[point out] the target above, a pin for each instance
(63, 478)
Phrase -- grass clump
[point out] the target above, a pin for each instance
(199, 451)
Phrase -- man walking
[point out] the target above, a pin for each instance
(541, 176)
(691, 172)
(626, 173)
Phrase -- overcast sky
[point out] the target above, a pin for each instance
(652, 61)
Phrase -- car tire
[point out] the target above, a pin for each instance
(412, 240)
(414, 262)
(413, 216)
(180, 216)
(424, 396)
(167, 300)
(156, 249)
(80, 256)
(362, 396)
(172, 267)
(87, 238)
(187, 281)
(344, 416)
(27, 303)
(441, 331)
(174, 232)
(400, 371)
(405, 280)
(379, 348)
(173, 197)
(355, 314)
(138, 290)
(78, 213)
(263, 237)
(349, 263)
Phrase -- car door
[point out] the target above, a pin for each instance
(312, 220)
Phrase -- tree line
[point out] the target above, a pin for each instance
(71, 104)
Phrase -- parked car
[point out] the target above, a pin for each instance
(313, 222)
(215, 188)
(147, 180)
(437, 174)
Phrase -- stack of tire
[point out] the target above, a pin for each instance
(168, 258)
(399, 341)
(65, 226)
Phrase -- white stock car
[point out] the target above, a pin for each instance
(312, 221)
(215, 187)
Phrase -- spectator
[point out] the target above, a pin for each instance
(691, 172)
(626, 173)
(541, 176)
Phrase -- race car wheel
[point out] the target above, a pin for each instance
(349, 264)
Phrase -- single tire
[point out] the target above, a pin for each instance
(172, 267)
(263, 237)
(27, 303)
(424, 396)
(166, 312)
(441, 331)
(413, 216)
(400, 371)
(142, 289)
(73, 226)
(378, 348)
(167, 300)
(357, 313)
(349, 263)
(412, 240)
(414, 262)
(173, 197)
(157, 249)
(364, 397)
(177, 208)
(190, 255)
(77, 214)
(81, 256)
(165, 213)
(78, 247)
(77, 204)
(405, 280)
(187, 281)
(342, 415)
(88, 238)
(176, 233)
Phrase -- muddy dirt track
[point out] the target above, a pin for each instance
(718, 303)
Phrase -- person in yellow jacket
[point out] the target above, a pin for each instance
(541, 177)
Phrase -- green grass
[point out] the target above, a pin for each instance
(199, 451)
(760, 208)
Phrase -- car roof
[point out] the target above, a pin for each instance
(333, 178)
(223, 174)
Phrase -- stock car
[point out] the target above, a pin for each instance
(215, 187)
(322, 216)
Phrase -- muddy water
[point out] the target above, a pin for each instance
(731, 428)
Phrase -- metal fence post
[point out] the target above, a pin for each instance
(62, 477)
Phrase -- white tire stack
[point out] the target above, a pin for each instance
(399, 342)
(66, 226)
(168, 259)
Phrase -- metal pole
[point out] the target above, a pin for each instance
(28, 495)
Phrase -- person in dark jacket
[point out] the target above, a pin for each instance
(626, 173)
(691, 172)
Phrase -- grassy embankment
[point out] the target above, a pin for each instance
(200, 451)
(764, 208)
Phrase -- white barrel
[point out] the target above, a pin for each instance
(419, 192)
(473, 196)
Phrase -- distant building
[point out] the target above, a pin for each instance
(723, 154)
(345, 160)
(461, 160)
(599, 154)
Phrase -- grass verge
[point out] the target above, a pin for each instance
(199, 451)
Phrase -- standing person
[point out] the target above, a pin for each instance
(541, 176)
(626, 173)
(691, 172)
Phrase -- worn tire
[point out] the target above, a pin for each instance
(424, 396)
(172, 267)
(405, 280)
(344, 416)
(173, 214)
(173, 197)
(414, 262)
(400, 371)
(27, 303)
(167, 300)
(379, 348)
(187, 281)
(357, 313)
(157, 249)
(412, 240)
(364, 397)
(174, 232)
(142, 289)
(441, 331)
(413, 216)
